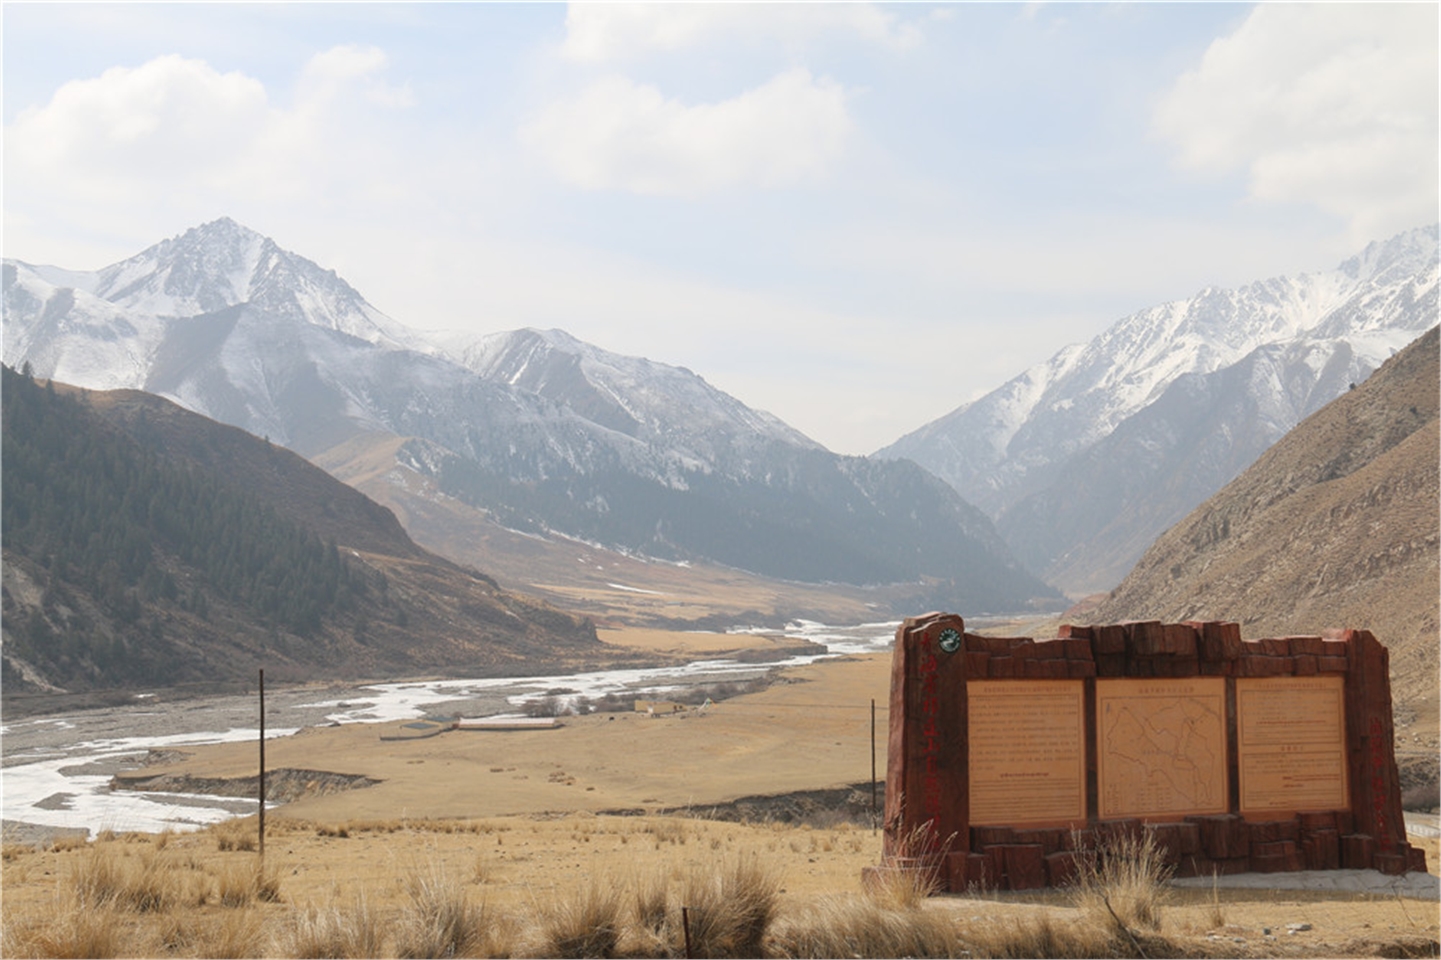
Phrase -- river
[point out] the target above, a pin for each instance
(57, 768)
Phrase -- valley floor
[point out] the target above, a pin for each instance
(519, 830)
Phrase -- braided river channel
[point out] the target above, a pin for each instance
(57, 767)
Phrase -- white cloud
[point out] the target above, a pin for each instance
(619, 134)
(331, 73)
(1333, 105)
(165, 119)
(149, 149)
(602, 32)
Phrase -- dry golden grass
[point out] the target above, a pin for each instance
(236, 835)
(105, 877)
(233, 933)
(585, 885)
(902, 889)
(1121, 884)
(74, 932)
(794, 736)
(439, 919)
(331, 930)
(868, 925)
(241, 883)
(727, 909)
(583, 921)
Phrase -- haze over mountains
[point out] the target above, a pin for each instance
(544, 433)
(1081, 461)
(1085, 459)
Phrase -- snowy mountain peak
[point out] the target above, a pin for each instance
(1376, 301)
(541, 431)
(642, 398)
(205, 269)
(1403, 255)
(224, 264)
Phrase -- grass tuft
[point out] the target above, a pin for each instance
(867, 926)
(233, 933)
(584, 921)
(105, 877)
(333, 932)
(439, 920)
(77, 932)
(243, 883)
(730, 908)
(1121, 885)
(239, 835)
(902, 889)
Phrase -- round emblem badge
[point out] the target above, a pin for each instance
(949, 640)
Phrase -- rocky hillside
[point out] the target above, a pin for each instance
(545, 434)
(1085, 459)
(148, 546)
(1334, 526)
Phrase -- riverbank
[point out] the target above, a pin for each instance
(58, 767)
(810, 729)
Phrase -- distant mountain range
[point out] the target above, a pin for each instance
(1078, 464)
(1083, 460)
(1337, 525)
(145, 546)
(546, 434)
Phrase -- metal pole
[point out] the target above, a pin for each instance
(873, 766)
(685, 926)
(262, 762)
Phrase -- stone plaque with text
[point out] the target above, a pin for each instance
(1027, 751)
(1161, 747)
(1291, 743)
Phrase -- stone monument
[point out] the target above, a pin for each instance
(1008, 757)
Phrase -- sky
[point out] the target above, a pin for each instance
(854, 216)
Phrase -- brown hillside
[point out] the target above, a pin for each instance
(290, 483)
(414, 613)
(1335, 526)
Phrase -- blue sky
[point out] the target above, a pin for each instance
(854, 216)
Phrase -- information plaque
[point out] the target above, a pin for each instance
(1161, 747)
(1291, 747)
(1027, 751)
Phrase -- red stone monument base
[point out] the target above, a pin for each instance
(1221, 845)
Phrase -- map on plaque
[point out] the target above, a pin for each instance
(1027, 751)
(1291, 743)
(1161, 747)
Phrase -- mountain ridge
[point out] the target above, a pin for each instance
(642, 456)
(1026, 446)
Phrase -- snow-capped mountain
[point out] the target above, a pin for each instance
(653, 402)
(104, 328)
(1079, 489)
(543, 431)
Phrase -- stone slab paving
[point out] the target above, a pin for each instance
(1421, 886)
(1423, 824)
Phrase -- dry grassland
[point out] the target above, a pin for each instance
(582, 885)
(494, 844)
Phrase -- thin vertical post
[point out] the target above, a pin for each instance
(262, 761)
(874, 811)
